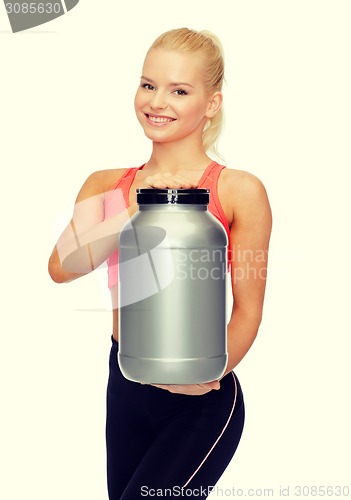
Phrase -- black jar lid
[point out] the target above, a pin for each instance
(157, 196)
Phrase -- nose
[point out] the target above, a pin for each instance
(158, 100)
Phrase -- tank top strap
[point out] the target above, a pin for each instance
(211, 176)
(214, 175)
(125, 181)
(127, 177)
(210, 181)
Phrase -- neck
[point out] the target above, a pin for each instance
(172, 157)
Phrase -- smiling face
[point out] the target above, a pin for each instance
(171, 102)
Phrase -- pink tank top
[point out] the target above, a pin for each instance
(117, 200)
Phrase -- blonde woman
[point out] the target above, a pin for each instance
(174, 437)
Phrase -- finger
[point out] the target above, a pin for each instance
(157, 184)
(161, 182)
(184, 181)
(211, 385)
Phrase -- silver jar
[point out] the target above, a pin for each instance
(172, 289)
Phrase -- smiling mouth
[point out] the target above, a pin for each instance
(159, 119)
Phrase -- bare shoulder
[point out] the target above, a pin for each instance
(100, 182)
(104, 180)
(243, 182)
(245, 192)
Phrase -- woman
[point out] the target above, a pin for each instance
(167, 438)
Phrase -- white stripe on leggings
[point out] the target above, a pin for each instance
(224, 428)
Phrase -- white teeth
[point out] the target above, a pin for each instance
(159, 119)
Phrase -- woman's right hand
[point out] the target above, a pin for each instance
(170, 181)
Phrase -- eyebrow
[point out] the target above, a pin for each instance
(174, 84)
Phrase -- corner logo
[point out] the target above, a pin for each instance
(25, 15)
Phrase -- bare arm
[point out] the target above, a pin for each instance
(249, 241)
(88, 240)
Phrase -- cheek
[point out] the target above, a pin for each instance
(138, 100)
(194, 111)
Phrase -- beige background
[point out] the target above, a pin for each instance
(67, 91)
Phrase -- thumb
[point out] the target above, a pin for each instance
(214, 384)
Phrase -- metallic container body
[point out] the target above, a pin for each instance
(172, 294)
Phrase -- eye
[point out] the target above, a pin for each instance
(181, 92)
(147, 86)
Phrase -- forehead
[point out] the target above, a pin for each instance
(173, 66)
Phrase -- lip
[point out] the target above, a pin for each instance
(159, 124)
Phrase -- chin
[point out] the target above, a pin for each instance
(156, 137)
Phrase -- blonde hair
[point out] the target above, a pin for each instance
(207, 44)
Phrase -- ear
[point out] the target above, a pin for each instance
(214, 104)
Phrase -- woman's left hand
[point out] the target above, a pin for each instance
(191, 389)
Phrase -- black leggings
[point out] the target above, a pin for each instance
(158, 440)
